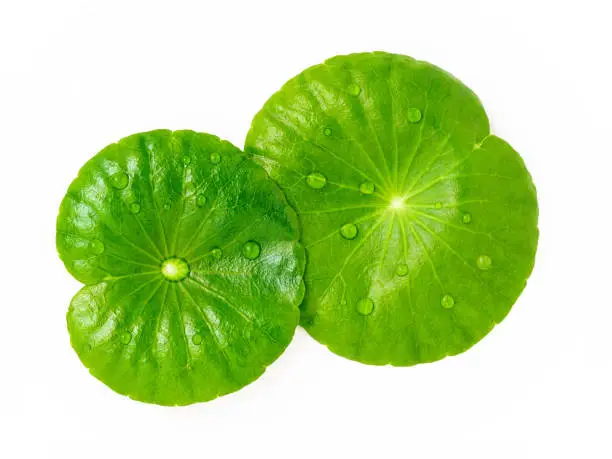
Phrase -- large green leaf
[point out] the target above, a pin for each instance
(420, 226)
(192, 263)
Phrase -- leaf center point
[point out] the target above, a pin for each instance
(175, 269)
(397, 203)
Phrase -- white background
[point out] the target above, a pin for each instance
(76, 76)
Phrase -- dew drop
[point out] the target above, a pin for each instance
(196, 339)
(126, 337)
(215, 158)
(354, 89)
(216, 253)
(175, 269)
(365, 306)
(135, 208)
(97, 246)
(484, 262)
(167, 206)
(200, 200)
(367, 188)
(327, 132)
(466, 218)
(447, 301)
(251, 250)
(186, 160)
(316, 180)
(401, 270)
(414, 115)
(438, 205)
(349, 231)
(119, 180)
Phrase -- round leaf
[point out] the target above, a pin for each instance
(420, 225)
(192, 263)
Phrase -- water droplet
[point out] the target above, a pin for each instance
(247, 333)
(466, 218)
(200, 200)
(484, 262)
(447, 301)
(316, 180)
(97, 246)
(438, 205)
(215, 158)
(251, 250)
(365, 306)
(186, 160)
(126, 337)
(354, 89)
(349, 231)
(135, 208)
(402, 270)
(414, 115)
(327, 132)
(119, 180)
(367, 188)
(175, 269)
(196, 339)
(216, 253)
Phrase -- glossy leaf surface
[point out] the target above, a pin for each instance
(420, 225)
(192, 263)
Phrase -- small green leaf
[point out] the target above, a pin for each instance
(192, 263)
(426, 230)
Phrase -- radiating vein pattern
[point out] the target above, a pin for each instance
(192, 267)
(420, 225)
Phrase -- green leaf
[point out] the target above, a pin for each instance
(420, 226)
(192, 263)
